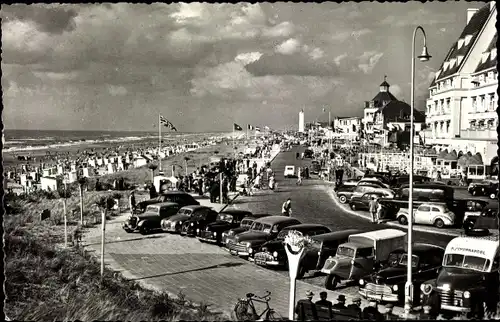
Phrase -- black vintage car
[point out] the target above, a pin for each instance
(486, 220)
(484, 188)
(179, 197)
(388, 284)
(227, 219)
(174, 223)
(244, 226)
(273, 252)
(363, 202)
(192, 226)
(150, 220)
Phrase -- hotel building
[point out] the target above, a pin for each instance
(461, 108)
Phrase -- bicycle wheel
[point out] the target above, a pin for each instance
(241, 311)
(273, 316)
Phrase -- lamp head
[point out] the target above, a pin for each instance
(425, 55)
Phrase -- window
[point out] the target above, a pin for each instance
(424, 208)
(436, 108)
(435, 209)
(364, 252)
(481, 79)
(490, 77)
(442, 106)
(448, 107)
(495, 76)
(447, 126)
(491, 106)
(474, 104)
(482, 104)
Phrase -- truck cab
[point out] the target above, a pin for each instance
(468, 279)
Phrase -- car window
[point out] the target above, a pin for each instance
(436, 209)
(364, 252)
(424, 208)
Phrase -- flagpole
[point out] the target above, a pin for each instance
(159, 143)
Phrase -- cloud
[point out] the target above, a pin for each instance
(299, 64)
(288, 47)
(368, 60)
(247, 58)
(419, 16)
(396, 90)
(339, 59)
(117, 90)
(351, 35)
(316, 53)
(283, 29)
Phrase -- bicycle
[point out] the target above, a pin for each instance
(245, 309)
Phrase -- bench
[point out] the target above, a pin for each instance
(314, 312)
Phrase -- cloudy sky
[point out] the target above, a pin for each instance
(205, 66)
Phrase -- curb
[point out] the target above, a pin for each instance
(393, 224)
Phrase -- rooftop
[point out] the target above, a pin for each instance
(489, 63)
(398, 111)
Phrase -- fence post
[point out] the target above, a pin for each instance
(103, 240)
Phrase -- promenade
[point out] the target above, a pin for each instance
(206, 273)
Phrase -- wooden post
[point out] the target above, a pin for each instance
(220, 197)
(65, 218)
(103, 224)
(81, 205)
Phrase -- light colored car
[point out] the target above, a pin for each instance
(289, 171)
(428, 214)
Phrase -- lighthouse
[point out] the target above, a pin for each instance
(301, 121)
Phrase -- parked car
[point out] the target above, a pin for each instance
(323, 246)
(150, 220)
(363, 202)
(484, 188)
(373, 181)
(261, 231)
(381, 176)
(227, 219)
(174, 223)
(347, 183)
(245, 225)
(426, 193)
(401, 180)
(474, 208)
(345, 193)
(308, 154)
(179, 197)
(198, 221)
(289, 171)
(272, 253)
(428, 214)
(468, 280)
(486, 220)
(361, 255)
(369, 187)
(388, 284)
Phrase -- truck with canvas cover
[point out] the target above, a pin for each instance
(361, 255)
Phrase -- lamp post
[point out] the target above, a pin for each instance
(423, 57)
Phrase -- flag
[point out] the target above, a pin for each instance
(237, 127)
(324, 110)
(250, 127)
(257, 129)
(167, 123)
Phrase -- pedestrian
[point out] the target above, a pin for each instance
(272, 182)
(286, 209)
(77, 236)
(371, 312)
(305, 306)
(373, 209)
(299, 176)
(323, 295)
(340, 302)
(356, 305)
(389, 316)
(152, 191)
(132, 202)
(380, 210)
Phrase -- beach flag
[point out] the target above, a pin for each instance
(250, 127)
(167, 123)
(257, 129)
(237, 127)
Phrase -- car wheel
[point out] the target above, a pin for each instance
(128, 230)
(403, 220)
(353, 206)
(331, 282)
(493, 196)
(343, 199)
(439, 223)
(144, 230)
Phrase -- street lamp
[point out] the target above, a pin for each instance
(423, 57)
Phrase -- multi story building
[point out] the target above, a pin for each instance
(461, 108)
(385, 114)
(347, 127)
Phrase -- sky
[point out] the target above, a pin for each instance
(206, 66)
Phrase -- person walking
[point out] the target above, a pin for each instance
(299, 177)
(373, 209)
(286, 209)
(272, 182)
(132, 202)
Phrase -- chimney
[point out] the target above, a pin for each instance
(470, 13)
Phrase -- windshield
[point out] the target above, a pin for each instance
(184, 212)
(246, 223)
(403, 261)
(345, 251)
(152, 209)
(225, 217)
(466, 262)
(257, 226)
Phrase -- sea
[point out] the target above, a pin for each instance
(19, 141)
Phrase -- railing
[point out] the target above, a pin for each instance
(479, 134)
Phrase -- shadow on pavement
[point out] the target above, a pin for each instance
(229, 264)
(124, 240)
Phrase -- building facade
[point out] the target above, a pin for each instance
(347, 127)
(461, 108)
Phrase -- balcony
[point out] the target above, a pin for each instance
(479, 134)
